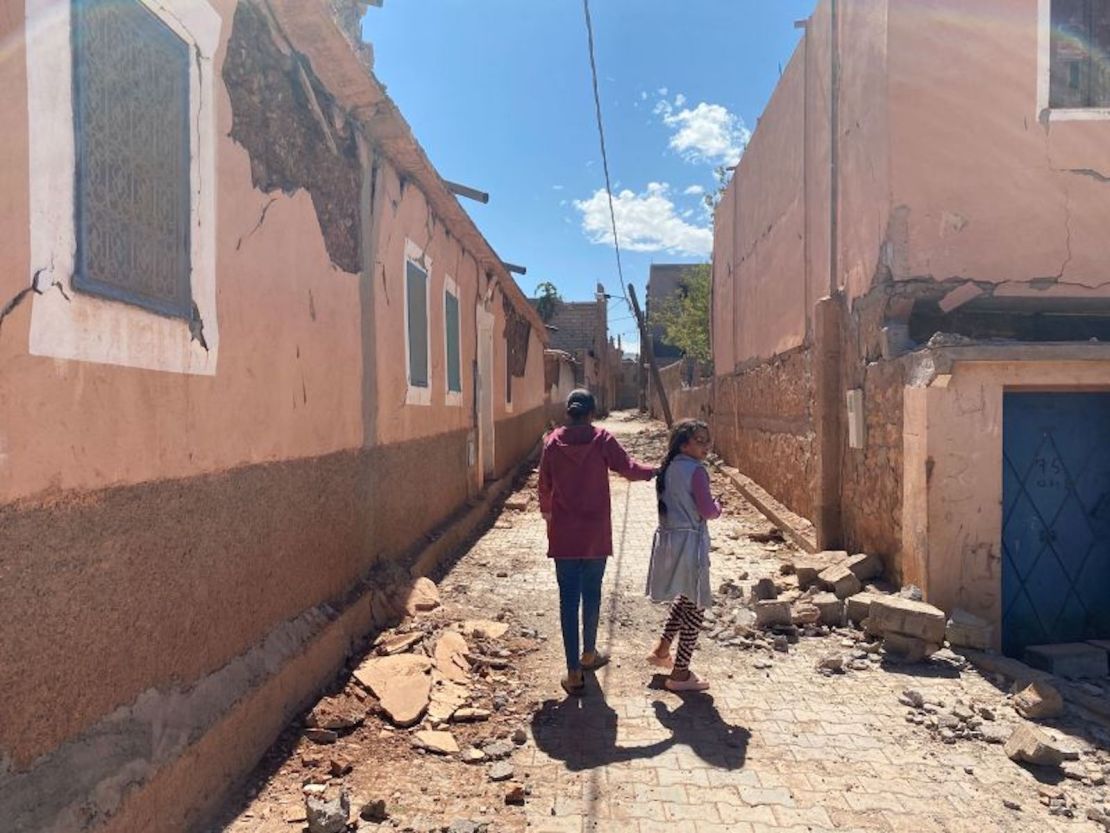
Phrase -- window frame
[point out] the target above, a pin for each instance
(78, 326)
(417, 394)
(452, 398)
(1044, 76)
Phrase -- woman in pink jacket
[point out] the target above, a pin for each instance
(574, 500)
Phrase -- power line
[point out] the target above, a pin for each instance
(601, 137)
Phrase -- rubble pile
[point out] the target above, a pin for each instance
(444, 687)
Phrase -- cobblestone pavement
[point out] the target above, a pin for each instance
(778, 749)
(775, 746)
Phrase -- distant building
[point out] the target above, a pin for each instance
(665, 280)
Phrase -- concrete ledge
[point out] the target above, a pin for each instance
(796, 528)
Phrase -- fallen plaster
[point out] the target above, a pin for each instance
(84, 781)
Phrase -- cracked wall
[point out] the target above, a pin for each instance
(296, 136)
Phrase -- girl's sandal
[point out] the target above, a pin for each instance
(594, 661)
(691, 683)
(660, 662)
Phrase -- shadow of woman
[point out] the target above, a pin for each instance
(696, 723)
(582, 732)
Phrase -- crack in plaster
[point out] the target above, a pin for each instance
(258, 225)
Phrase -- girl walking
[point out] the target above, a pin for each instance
(679, 569)
(574, 500)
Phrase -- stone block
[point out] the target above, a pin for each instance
(807, 572)
(772, 612)
(1074, 660)
(1030, 745)
(858, 607)
(831, 609)
(865, 567)
(966, 630)
(892, 614)
(840, 580)
(828, 557)
(764, 589)
(1039, 701)
(909, 648)
(804, 613)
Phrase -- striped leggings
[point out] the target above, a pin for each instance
(685, 622)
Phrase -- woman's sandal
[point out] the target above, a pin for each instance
(574, 688)
(595, 660)
(691, 683)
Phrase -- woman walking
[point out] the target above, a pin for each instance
(679, 569)
(574, 500)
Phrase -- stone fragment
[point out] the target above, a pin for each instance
(374, 810)
(323, 736)
(420, 596)
(1099, 815)
(384, 610)
(515, 796)
(1030, 745)
(913, 698)
(830, 609)
(441, 743)
(911, 592)
(469, 715)
(327, 815)
(1039, 701)
(501, 771)
(519, 737)
(483, 628)
(831, 663)
(338, 766)
(781, 643)
(340, 712)
(764, 589)
(857, 608)
(398, 643)
(909, 648)
(467, 826)
(804, 613)
(401, 683)
(517, 503)
(446, 698)
(807, 572)
(840, 580)
(768, 613)
(1074, 660)
(498, 749)
(865, 567)
(892, 614)
(473, 755)
(966, 630)
(450, 657)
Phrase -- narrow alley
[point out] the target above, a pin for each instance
(815, 733)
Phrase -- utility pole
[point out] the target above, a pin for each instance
(645, 345)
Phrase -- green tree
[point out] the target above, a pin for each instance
(547, 300)
(685, 315)
(724, 177)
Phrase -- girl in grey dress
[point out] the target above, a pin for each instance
(679, 569)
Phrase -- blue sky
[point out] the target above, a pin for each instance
(498, 93)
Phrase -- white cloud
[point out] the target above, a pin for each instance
(706, 133)
(694, 190)
(556, 187)
(646, 222)
(643, 95)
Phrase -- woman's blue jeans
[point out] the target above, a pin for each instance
(579, 585)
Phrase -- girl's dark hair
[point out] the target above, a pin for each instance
(682, 432)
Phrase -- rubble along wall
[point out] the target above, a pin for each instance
(762, 423)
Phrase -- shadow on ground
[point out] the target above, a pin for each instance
(582, 731)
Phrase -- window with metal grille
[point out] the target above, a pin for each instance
(416, 321)
(131, 130)
(1080, 54)
(451, 332)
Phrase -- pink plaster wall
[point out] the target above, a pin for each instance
(990, 185)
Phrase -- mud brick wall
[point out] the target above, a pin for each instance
(762, 423)
(516, 436)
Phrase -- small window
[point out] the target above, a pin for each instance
(451, 334)
(416, 324)
(131, 131)
(1080, 54)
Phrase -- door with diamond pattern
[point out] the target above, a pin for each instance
(1055, 519)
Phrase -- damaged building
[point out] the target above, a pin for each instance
(254, 356)
(911, 303)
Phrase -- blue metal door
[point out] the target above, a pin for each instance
(1055, 518)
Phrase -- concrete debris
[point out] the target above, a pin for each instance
(807, 572)
(421, 596)
(501, 771)
(965, 630)
(401, 683)
(768, 613)
(327, 815)
(840, 580)
(804, 613)
(858, 607)
(830, 609)
(1039, 701)
(1030, 745)
(450, 656)
(482, 628)
(431, 740)
(865, 567)
(896, 615)
(909, 648)
(764, 589)
(517, 503)
(446, 698)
